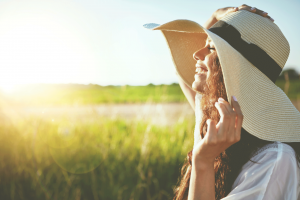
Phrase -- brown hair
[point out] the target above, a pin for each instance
(229, 163)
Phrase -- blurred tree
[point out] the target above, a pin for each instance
(291, 73)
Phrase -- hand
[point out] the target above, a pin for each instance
(219, 136)
(255, 10)
(220, 13)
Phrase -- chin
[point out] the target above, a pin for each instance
(198, 87)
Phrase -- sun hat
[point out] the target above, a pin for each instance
(252, 51)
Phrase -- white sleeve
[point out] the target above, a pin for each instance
(275, 176)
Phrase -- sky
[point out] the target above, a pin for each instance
(103, 41)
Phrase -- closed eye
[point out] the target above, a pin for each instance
(211, 48)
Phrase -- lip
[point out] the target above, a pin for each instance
(203, 68)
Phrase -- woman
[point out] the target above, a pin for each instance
(246, 149)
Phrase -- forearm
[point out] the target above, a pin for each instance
(216, 16)
(211, 21)
(202, 184)
(188, 92)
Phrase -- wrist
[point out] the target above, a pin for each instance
(201, 164)
(221, 12)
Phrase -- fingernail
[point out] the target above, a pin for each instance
(253, 8)
(221, 99)
(236, 8)
(234, 98)
(264, 13)
(271, 19)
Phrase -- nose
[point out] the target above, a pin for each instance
(200, 54)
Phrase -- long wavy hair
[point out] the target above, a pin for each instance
(229, 163)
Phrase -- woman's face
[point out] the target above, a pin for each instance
(205, 60)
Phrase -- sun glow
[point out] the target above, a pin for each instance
(8, 88)
(37, 47)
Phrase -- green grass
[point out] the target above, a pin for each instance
(76, 94)
(93, 94)
(100, 159)
(293, 91)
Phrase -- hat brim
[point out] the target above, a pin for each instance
(268, 112)
(184, 38)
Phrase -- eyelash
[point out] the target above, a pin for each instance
(211, 48)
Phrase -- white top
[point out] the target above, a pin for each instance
(274, 176)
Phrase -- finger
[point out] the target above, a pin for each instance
(248, 8)
(231, 10)
(240, 117)
(211, 135)
(226, 104)
(264, 14)
(256, 11)
(244, 6)
(232, 116)
(253, 9)
(223, 124)
(261, 13)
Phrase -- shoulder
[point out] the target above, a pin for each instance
(274, 152)
(271, 173)
(271, 157)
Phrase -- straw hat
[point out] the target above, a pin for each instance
(252, 51)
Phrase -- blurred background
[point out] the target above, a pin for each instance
(90, 106)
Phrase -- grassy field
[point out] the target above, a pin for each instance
(93, 94)
(100, 159)
(72, 94)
